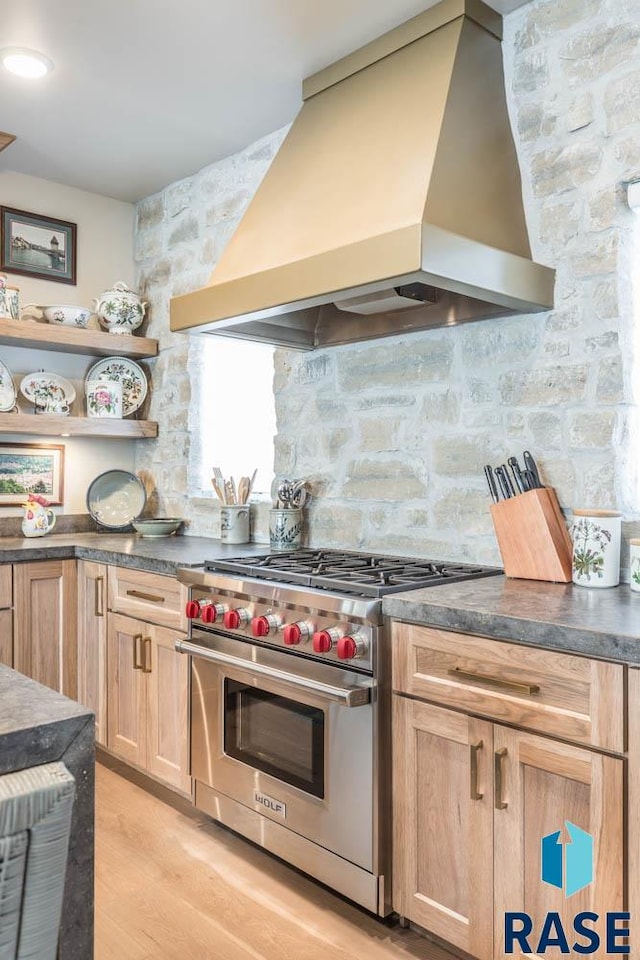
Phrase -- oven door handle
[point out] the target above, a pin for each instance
(346, 696)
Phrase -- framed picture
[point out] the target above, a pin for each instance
(38, 246)
(31, 468)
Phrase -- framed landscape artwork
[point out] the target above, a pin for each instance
(31, 468)
(36, 246)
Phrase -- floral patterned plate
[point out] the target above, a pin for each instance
(7, 389)
(126, 372)
(43, 389)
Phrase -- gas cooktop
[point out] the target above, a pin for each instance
(363, 574)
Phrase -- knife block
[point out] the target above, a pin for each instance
(532, 536)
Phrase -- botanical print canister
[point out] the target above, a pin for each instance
(9, 300)
(634, 564)
(285, 529)
(104, 399)
(596, 547)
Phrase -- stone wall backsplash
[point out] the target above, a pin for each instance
(393, 434)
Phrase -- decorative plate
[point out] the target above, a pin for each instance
(115, 498)
(126, 372)
(46, 388)
(7, 389)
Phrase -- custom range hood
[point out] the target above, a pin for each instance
(394, 203)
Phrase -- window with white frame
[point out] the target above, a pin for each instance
(237, 413)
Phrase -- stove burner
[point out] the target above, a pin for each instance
(362, 574)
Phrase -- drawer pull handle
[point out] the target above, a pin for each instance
(139, 595)
(147, 655)
(474, 749)
(99, 598)
(494, 681)
(137, 659)
(498, 757)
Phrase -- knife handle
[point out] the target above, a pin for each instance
(517, 474)
(491, 480)
(532, 469)
(502, 480)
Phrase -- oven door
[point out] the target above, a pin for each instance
(287, 737)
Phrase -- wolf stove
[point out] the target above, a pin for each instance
(290, 705)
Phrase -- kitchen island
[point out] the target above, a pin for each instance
(38, 726)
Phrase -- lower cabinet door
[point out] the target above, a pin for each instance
(559, 814)
(6, 637)
(126, 689)
(92, 642)
(443, 823)
(168, 708)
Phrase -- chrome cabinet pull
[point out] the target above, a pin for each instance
(474, 750)
(137, 659)
(498, 757)
(147, 655)
(346, 696)
(494, 681)
(99, 596)
(140, 595)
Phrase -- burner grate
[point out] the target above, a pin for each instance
(369, 575)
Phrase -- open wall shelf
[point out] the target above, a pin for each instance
(48, 425)
(61, 339)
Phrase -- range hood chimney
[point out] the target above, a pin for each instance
(394, 203)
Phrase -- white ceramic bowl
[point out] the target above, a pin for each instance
(160, 527)
(67, 316)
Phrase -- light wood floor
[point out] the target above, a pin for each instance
(173, 887)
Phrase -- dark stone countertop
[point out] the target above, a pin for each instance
(602, 623)
(159, 555)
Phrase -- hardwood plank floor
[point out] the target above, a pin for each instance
(170, 887)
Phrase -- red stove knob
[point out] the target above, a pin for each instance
(295, 633)
(323, 640)
(233, 619)
(263, 626)
(213, 612)
(350, 648)
(192, 609)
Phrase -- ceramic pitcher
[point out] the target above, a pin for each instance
(37, 520)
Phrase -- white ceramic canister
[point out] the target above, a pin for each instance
(285, 529)
(104, 399)
(234, 523)
(596, 547)
(634, 564)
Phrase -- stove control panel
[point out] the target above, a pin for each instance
(298, 630)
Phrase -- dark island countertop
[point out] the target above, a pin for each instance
(159, 555)
(594, 622)
(38, 725)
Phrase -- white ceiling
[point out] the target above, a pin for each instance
(145, 92)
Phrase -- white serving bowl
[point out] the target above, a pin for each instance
(67, 316)
(160, 527)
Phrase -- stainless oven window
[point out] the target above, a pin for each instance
(278, 736)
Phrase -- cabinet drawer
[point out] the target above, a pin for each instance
(148, 596)
(571, 697)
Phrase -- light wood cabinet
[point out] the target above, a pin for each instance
(473, 798)
(148, 692)
(443, 824)
(92, 642)
(6, 614)
(541, 785)
(152, 597)
(45, 627)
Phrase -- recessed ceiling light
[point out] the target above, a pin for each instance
(25, 63)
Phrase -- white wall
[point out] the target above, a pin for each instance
(104, 255)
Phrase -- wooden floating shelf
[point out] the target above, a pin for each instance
(61, 339)
(48, 425)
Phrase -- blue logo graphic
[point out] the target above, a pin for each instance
(576, 856)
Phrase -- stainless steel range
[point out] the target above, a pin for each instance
(290, 705)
